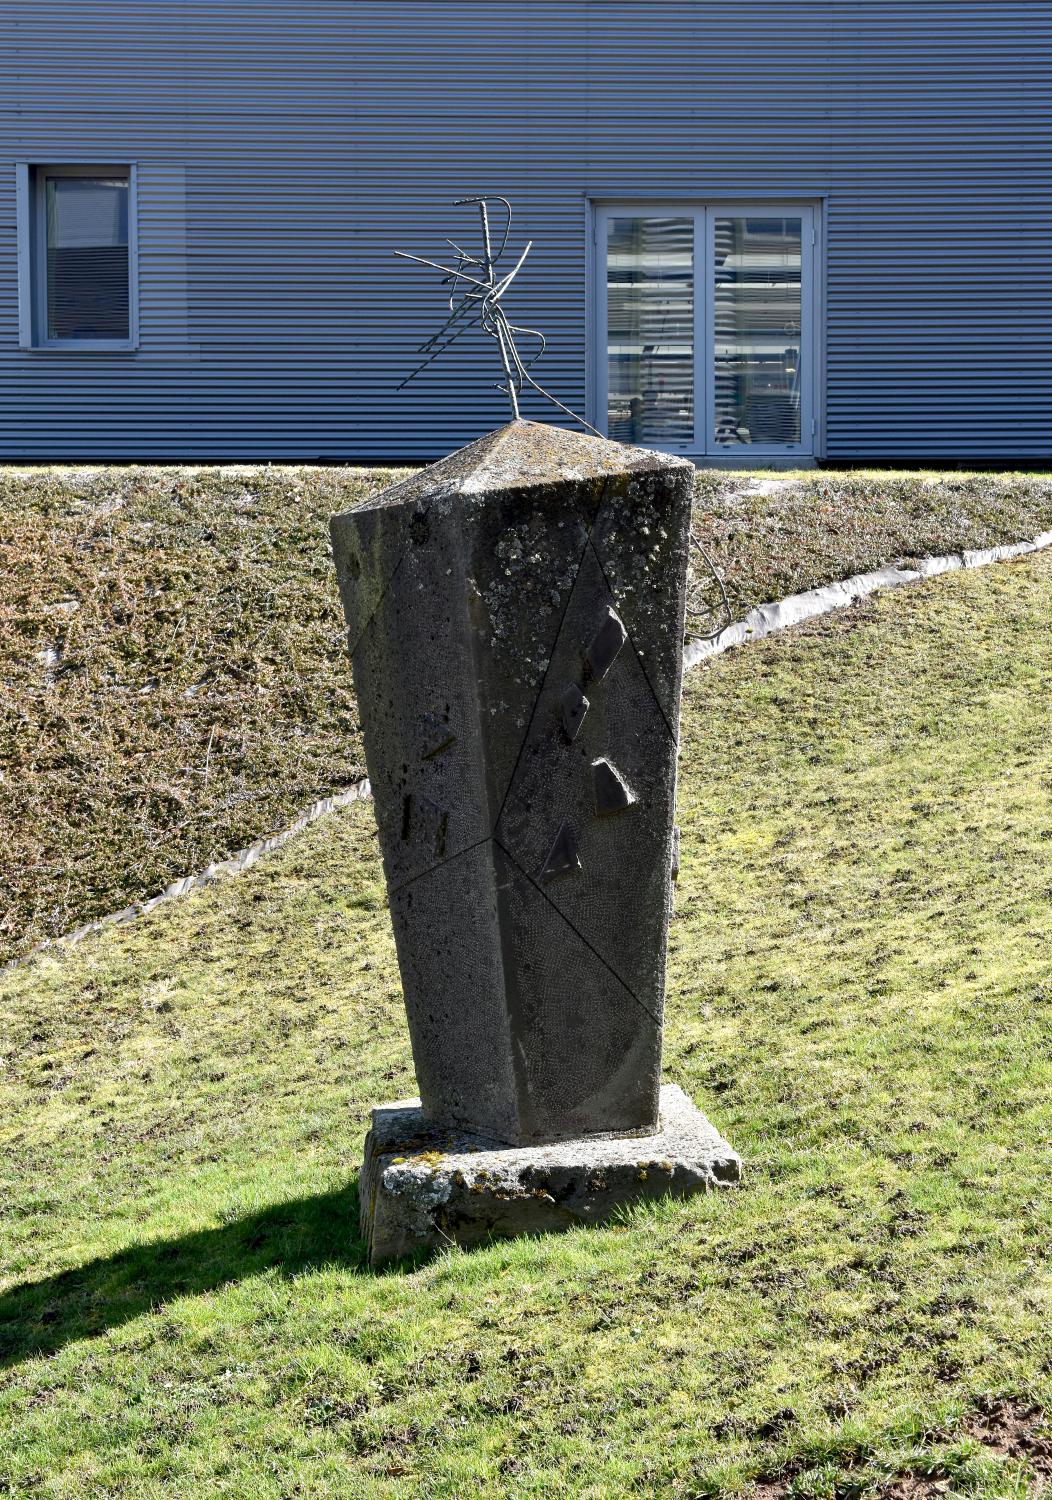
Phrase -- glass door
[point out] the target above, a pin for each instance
(759, 399)
(650, 329)
(706, 342)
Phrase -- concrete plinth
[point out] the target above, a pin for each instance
(424, 1186)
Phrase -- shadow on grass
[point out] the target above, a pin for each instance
(39, 1317)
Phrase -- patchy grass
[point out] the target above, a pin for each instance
(774, 535)
(172, 652)
(174, 678)
(861, 996)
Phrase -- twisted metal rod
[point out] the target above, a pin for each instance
(475, 300)
(476, 292)
(696, 608)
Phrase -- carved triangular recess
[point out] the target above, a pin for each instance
(612, 792)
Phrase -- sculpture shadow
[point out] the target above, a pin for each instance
(40, 1317)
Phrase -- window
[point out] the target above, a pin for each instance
(705, 337)
(79, 251)
(650, 329)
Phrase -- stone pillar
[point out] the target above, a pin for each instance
(516, 615)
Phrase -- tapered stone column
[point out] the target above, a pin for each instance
(516, 616)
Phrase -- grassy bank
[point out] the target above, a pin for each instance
(861, 997)
(175, 682)
(172, 652)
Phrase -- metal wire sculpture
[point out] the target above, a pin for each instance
(709, 611)
(476, 300)
(476, 292)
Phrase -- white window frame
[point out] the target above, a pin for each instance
(704, 214)
(32, 256)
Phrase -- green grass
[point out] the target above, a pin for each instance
(173, 658)
(860, 996)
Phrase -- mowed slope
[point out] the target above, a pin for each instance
(861, 997)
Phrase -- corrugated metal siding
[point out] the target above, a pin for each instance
(286, 146)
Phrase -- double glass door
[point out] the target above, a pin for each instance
(706, 342)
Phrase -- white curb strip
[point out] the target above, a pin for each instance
(767, 620)
(770, 618)
(243, 860)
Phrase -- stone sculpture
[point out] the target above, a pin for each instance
(515, 614)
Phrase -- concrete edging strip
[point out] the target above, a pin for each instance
(243, 860)
(759, 623)
(768, 619)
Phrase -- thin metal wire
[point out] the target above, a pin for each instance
(697, 606)
(475, 293)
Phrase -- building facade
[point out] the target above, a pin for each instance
(796, 229)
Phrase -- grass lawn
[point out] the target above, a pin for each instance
(173, 657)
(861, 997)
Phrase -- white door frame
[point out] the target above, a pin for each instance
(704, 215)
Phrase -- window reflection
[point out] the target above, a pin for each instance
(757, 330)
(650, 330)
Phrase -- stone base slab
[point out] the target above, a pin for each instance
(423, 1186)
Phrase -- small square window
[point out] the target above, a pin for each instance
(80, 250)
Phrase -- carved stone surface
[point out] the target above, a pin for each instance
(516, 616)
(611, 793)
(575, 706)
(423, 1187)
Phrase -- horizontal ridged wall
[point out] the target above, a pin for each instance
(285, 147)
